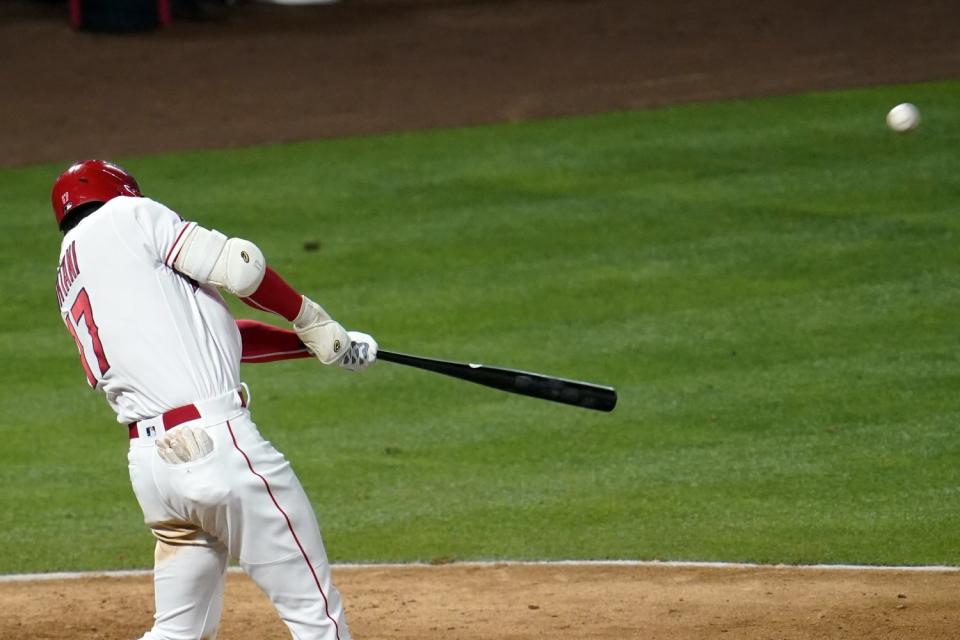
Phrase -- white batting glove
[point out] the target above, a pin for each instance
(323, 336)
(362, 352)
(184, 444)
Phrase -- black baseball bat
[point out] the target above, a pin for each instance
(536, 385)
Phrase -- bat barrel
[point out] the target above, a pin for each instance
(536, 385)
(573, 392)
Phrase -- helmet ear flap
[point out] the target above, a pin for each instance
(73, 217)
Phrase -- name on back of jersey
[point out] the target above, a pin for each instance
(67, 273)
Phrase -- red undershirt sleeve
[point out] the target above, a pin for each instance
(276, 296)
(266, 343)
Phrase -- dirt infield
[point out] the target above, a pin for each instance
(517, 602)
(269, 74)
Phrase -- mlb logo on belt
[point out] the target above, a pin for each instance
(151, 431)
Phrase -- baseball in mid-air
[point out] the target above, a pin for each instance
(903, 117)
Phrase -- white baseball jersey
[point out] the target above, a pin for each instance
(150, 338)
(153, 340)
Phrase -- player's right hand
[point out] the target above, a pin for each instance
(362, 352)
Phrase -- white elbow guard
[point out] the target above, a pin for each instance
(240, 267)
(235, 264)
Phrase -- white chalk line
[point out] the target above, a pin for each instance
(682, 564)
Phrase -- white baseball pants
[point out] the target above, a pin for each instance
(243, 501)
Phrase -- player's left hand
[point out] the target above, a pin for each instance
(362, 352)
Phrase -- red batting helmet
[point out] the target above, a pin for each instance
(90, 181)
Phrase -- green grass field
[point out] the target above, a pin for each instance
(772, 285)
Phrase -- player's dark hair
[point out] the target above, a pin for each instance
(77, 214)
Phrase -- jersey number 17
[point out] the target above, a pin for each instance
(81, 312)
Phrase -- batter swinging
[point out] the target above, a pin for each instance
(137, 288)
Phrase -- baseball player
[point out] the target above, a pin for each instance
(138, 291)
